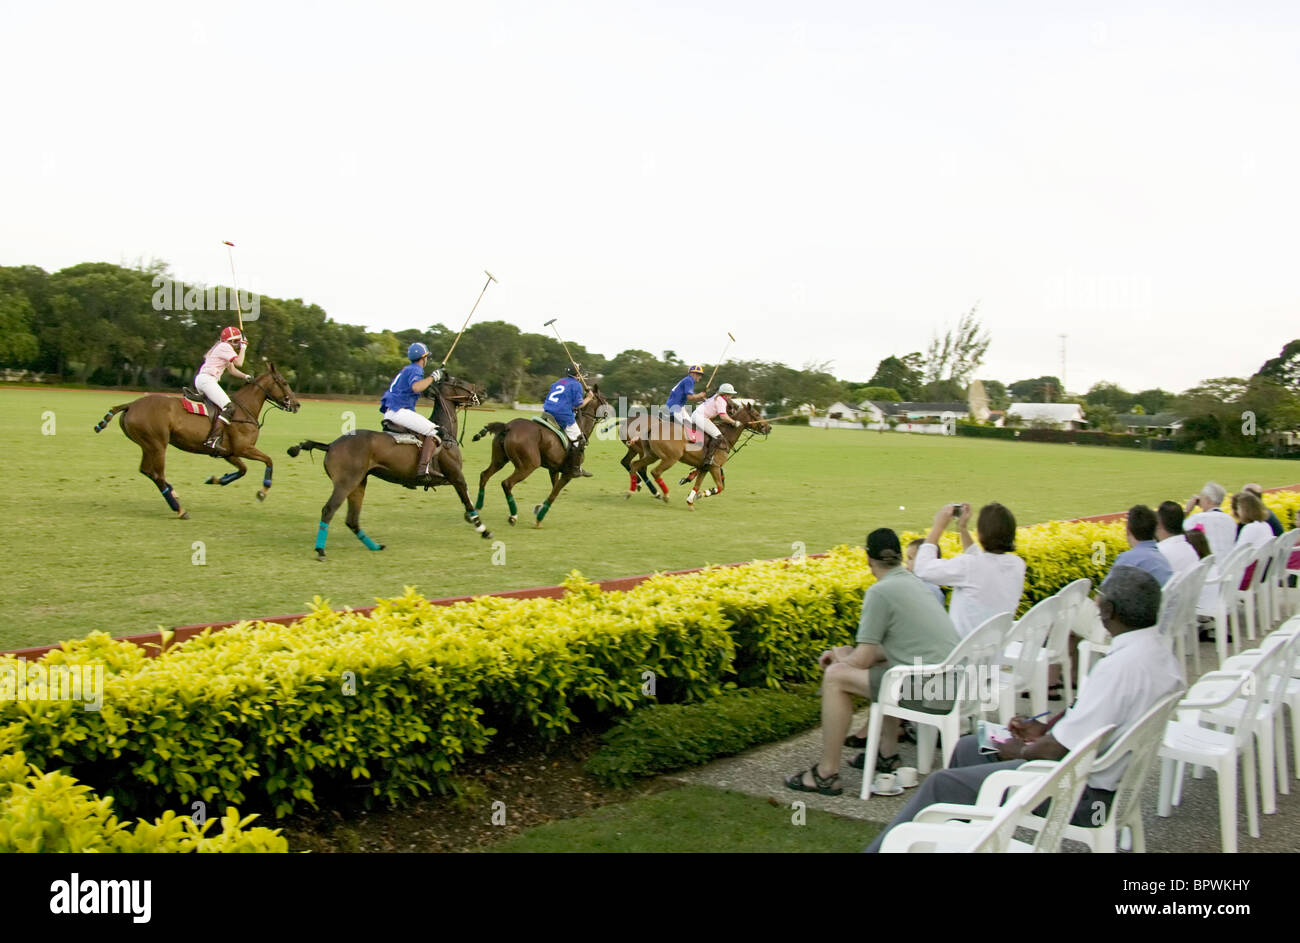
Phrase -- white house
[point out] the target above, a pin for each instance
(1055, 415)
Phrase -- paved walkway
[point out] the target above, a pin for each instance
(1193, 826)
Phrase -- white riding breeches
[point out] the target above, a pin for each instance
(705, 424)
(410, 419)
(209, 387)
(573, 432)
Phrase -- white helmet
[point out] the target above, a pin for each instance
(727, 388)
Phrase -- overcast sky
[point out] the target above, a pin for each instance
(827, 181)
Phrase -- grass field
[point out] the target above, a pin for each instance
(93, 546)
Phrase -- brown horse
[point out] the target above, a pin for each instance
(350, 460)
(155, 421)
(528, 446)
(651, 437)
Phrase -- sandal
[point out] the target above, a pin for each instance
(884, 764)
(826, 786)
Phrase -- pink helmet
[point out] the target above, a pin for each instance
(232, 335)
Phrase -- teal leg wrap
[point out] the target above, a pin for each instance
(365, 539)
(510, 500)
(546, 506)
(478, 504)
(322, 532)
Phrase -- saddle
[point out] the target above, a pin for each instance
(402, 435)
(196, 403)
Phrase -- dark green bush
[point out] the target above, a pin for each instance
(663, 738)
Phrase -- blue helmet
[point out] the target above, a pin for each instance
(416, 351)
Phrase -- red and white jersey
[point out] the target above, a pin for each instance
(712, 406)
(217, 359)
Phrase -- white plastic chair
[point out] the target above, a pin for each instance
(965, 673)
(1072, 598)
(1022, 653)
(1138, 747)
(1223, 582)
(1187, 741)
(990, 824)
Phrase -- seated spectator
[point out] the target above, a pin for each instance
(985, 579)
(901, 624)
(1271, 518)
(1143, 551)
(1252, 521)
(1171, 540)
(1220, 529)
(1137, 673)
(910, 563)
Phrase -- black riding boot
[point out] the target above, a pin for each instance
(218, 421)
(424, 467)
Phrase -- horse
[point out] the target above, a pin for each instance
(155, 421)
(649, 437)
(352, 459)
(528, 446)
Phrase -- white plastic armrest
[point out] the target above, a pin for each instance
(904, 836)
(1191, 702)
(950, 811)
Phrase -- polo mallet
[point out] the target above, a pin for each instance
(235, 281)
(491, 278)
(581, 378)
(709, 385)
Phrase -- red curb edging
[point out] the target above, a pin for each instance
(152, 642)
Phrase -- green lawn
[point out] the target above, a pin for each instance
(93, 546)
(698, 819)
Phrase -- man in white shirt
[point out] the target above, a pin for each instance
(985, 580)
(1170, 540)
(1219, 528)
(1139, 671)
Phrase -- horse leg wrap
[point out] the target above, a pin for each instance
(510, 502)
(478, 503)
(542, 509)
(322, 532)
(168, 496)
(365, 539)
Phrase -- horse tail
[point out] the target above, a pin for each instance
(306, 445)
(108, 417)
(495, 428)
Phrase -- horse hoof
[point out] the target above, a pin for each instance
(514, 519)
(261, 496)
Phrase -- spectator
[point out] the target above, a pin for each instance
(910, 563)
(1252, 521)
(1220, 530)
(1171, 540)
(1137, 673)
(1271, 518)
(985, 579)
(901, 624)
(1143, 551)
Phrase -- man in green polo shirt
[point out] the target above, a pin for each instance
(902, 623)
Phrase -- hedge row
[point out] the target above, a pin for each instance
(52, 812)
(387, 705)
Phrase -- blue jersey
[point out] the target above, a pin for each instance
(565, 396)
(684, 388)
(400, 395)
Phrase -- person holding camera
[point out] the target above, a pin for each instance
(987, 578)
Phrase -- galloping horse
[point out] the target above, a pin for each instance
(528, 446)
(649, 437)
(155, 421)
(351, 459)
